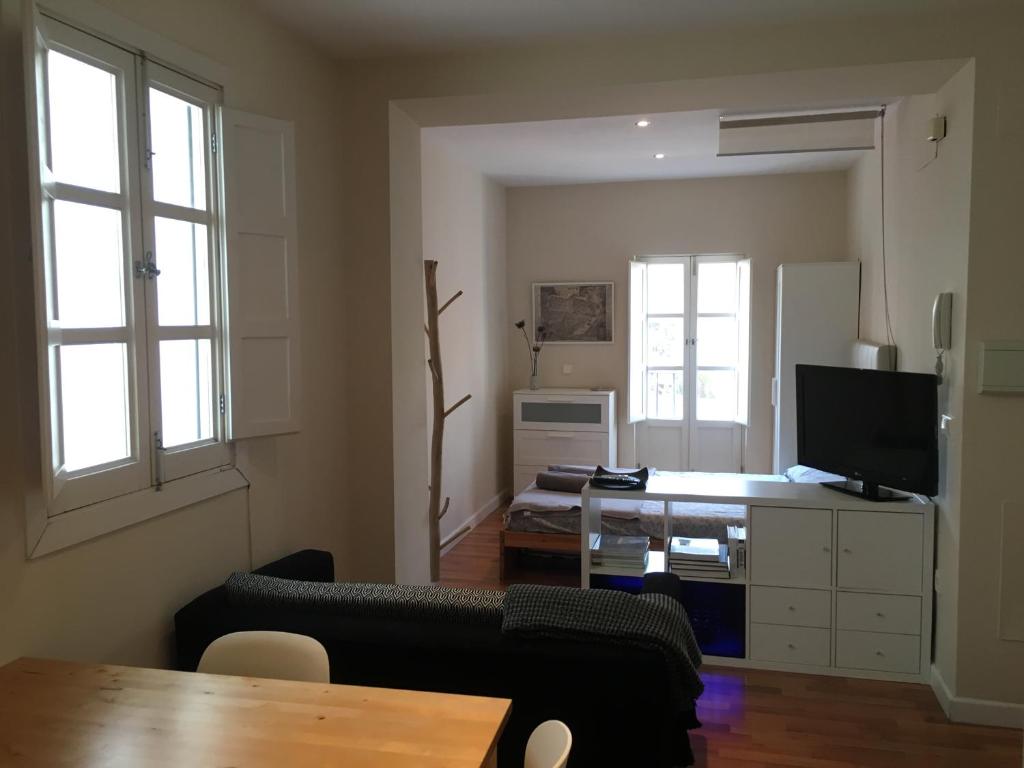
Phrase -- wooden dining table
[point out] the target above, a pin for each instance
(61, 713)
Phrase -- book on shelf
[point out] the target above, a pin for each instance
(737, 537)
(703, 566)
(687, 573)
(626, 554)
(697, 550)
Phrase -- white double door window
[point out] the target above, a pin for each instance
(689, 360)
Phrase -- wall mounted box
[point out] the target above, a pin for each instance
(1002, 367)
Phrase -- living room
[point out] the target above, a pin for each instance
(351, 479)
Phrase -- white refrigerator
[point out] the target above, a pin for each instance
(817, 308)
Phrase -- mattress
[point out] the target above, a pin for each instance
(540, 511)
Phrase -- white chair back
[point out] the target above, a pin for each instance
(278, 655)
(549, 745)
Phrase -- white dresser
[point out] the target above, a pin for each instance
(561, 426)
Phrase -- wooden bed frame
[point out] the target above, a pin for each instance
(510, 542)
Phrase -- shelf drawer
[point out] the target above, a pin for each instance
(524, 476)
(792, 645)
(878, 651)
(790, 547)
(894, 614)
(880, 551)
(541, 448)
(577, 413)
(794, 607)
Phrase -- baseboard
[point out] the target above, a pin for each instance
(962, 709)
(478, 517)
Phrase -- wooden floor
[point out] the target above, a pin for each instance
(772, 719)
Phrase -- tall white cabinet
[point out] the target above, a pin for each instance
(816, 323)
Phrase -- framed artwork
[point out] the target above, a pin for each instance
(574, 313)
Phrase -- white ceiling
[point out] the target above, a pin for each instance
(613, 149)
(368, 28)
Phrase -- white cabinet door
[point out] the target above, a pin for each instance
(881, 551)
(792, 645)
(537, 448)
(791, 547)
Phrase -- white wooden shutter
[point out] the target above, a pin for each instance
(743, 321)
(262, 275)
(637, 341)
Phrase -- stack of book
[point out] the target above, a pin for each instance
(737, 535)
(625, 555)
(698, 558)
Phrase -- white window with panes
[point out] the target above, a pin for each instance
(165, 281)
(689, 359)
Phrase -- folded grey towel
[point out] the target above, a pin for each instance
(573, 469)
(563, 482)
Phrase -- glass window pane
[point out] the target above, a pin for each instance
(179, 159)
(83, 123)
(665, 394)
(183, 288)
(89, 266)
(716, 341)
(716, 286)
(716, 395)
(95, 417)
(186, 391)
(666, 341)
(666, 289)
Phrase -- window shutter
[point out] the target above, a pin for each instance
(262, 275)
(637, 341)
(743, 347)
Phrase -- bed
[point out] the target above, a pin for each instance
(549, 521)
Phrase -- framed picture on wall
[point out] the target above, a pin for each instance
(574, 313)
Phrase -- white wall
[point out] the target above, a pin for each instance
(589, 232)
(927, 210)
(112, 599)
(464, 231)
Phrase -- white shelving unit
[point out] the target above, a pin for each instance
(834, 584)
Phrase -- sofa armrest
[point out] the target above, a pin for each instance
(304, 565)
(663, 584)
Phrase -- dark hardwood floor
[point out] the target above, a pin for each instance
(774, 719)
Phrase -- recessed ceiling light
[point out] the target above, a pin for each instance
(642, 123)
(659, 156)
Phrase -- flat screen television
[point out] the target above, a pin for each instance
(877, 428)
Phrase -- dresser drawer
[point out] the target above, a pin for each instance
(790, 547)
(878, 651)
(794, 607)
(792, 645)
(895, 614)
(880, 551)
(541, 448)
(576, 413)
(524, 476)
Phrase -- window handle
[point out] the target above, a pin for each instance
(158, 461)
(148, 268)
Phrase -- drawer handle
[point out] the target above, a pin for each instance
(879, 653)
(847, 550)
(792, 608)
(880, 615)
(791, 646)
(559, 435)
(826, 549)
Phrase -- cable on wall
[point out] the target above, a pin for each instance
(889, 336)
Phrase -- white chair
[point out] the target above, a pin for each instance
(278, 655)
(549, 745)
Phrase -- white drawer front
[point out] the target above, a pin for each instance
(524, 476)
(791, 547)
(878, 651)
(793, 645)
(539, 448)
(895, 614)
(880, 551)
(795, 607)
(575, 413)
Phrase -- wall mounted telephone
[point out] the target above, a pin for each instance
(942, 328)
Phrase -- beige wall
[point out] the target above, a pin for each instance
(927, 209)
(112, 599)
(464, 231)
(589, 231)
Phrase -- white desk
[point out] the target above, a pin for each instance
(835, 584)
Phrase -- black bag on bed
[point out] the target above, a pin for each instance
(620, 481)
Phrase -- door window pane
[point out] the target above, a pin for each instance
(716, 341)
(186, 391)
(716, 286)
(666, 289)
(95, 417)
(179, 159)
(83, 123)
(716, 395)
(89, 266)
(183, 290)
(665, 393)
(666, 341)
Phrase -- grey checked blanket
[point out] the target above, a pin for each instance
(652, 621)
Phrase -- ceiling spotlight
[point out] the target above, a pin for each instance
(659, 156)
(642, 123)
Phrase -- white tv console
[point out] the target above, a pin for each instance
(834, 584)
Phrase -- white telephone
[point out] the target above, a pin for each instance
(942, 329)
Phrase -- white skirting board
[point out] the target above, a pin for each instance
(478, 516)
(961, 709)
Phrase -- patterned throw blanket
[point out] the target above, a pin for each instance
(653, 621)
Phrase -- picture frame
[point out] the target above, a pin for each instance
(574, 312)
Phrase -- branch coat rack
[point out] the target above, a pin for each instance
(435, 510)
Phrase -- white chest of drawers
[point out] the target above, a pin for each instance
(561, 426)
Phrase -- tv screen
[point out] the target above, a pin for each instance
(879, 427)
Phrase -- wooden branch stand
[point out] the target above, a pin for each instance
(435, 510)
